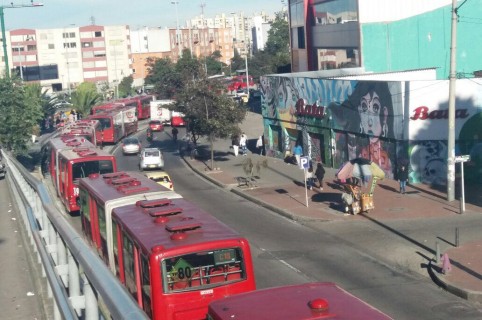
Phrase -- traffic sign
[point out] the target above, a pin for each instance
(304, 163)
(463, 158)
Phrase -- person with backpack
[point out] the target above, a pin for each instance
(320, 174)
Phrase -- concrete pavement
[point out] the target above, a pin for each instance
(280, 187)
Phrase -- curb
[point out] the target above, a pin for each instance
(266, 205)
(438, 278)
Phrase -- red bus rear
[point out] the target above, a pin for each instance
(99, 194)
(72, 159)
(115, 124)
(309, 301)
(174, 258)
(141, 103)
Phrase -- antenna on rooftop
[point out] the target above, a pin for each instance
(92, 20)
(202, 5)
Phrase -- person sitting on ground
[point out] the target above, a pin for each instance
(290, 159)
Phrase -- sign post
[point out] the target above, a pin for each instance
(305, 164)
(461, 160)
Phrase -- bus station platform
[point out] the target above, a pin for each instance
(280, 187)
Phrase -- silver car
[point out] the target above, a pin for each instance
(131, 146)
(151, 158)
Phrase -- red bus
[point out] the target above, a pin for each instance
(239, 83)
(115, 124)
(104, 107)
(99, 194)
(173, 257)
(71, 159)
(309, 301)
(82, 128)
(141, 103)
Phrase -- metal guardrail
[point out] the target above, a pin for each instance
(80, 285)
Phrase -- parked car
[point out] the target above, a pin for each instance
(156, 125)
(151, 158)
(131, 146)
(161, 177)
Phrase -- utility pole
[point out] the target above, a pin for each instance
(451, 112)
(4, 37)
(178, 37)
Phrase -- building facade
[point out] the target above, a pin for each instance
(384, 36)
(388, 122)
(60, 59)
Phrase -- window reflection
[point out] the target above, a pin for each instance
(335, 12)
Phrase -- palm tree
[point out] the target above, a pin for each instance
(85, 97)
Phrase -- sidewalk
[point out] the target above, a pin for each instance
(280, 188)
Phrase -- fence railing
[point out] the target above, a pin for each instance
(78, 282)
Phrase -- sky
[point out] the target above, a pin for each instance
(135, 13)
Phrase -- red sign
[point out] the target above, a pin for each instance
(424, 113)
(309, 110)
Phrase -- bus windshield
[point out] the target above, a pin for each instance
(105, 123)
(200, 270)
(84, 169)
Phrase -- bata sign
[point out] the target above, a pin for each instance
(424, 113)
(304, 109)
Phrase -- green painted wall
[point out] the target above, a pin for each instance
(423, 41)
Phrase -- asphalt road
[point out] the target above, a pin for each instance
(286, 252)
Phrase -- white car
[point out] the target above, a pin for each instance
(131, 146)
(151, 158)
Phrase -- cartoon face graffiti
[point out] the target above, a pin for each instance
(370, 120)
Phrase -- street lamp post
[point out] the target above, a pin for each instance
(177, 28)
(2, 23)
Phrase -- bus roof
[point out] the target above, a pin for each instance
(120, 188)
(318, 300)
(61, 143)
(164, 223)
(84, 153)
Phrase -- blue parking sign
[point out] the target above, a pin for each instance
(304, 163)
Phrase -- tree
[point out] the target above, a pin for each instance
(164, 76)
(278, 44)
(20, 112)
(213, 65)
(85, 97)
(125, 87)
(209, 112)
(237, 62)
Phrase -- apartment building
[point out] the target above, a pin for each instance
(60, 59)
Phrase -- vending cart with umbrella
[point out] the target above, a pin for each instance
(359, 177)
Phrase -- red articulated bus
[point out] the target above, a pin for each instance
(99, 194)
(173, 257)
(71, 159)
(82, 128)
(309, 301)
(141, 103)
(239, 83)
(115, 124)
(104, 107)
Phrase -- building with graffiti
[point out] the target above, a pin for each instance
(388, 122)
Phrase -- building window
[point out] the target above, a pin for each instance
(51, 46)
(31, 48)
(98, 34)
(301, 38)
(86, 44)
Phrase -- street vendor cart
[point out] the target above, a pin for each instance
(356, 175)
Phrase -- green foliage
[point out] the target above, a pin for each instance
(164, 76)
(20, 111)
(208, 111)
(125, 86)
(213, 65)
(237, 62)
(85, 97)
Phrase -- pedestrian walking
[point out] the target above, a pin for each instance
(309, 175)
(235, 144)
(243, 140)
(174, 132)
(320, 174)
(298, 152)
(402, 176)
(259, 145)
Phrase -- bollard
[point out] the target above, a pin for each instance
(446, 266)
(437, 253)
(456, 237)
